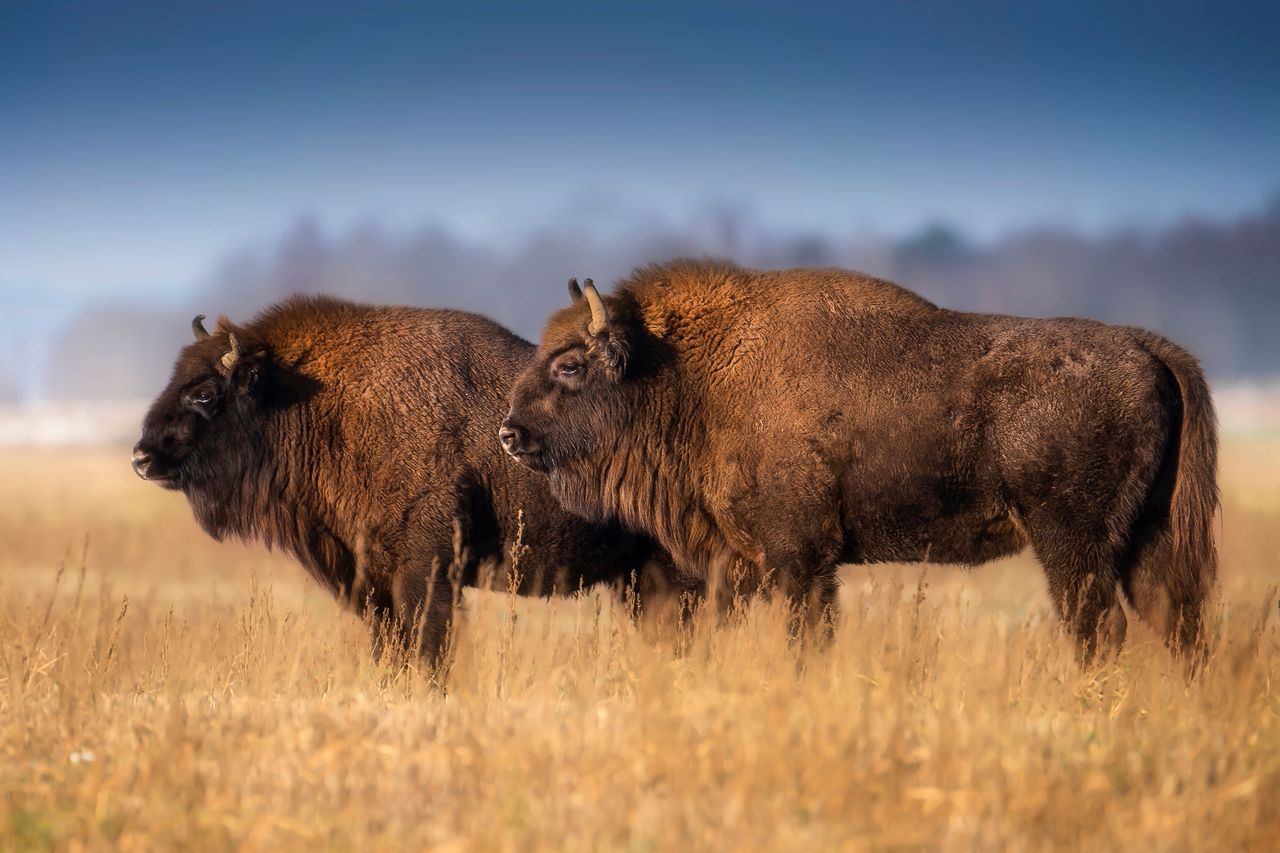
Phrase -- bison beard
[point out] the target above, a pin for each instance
(789, 421)
(360, 440)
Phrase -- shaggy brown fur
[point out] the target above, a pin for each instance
(360, 439)
(789, 421)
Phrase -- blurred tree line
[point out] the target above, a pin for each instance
(1215, 288)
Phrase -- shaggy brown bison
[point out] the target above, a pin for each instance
(789, 421)
(360, 440)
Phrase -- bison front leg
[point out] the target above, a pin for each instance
(811, 589)
(803, 567)
(659, 592)
(797, 522)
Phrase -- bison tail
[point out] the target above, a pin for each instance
(1191, 572)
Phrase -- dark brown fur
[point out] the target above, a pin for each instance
(360, 440)
(788, 421)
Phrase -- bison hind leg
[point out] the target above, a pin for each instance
(1082, 574)
(1172, 607)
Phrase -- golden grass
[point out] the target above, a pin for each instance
(160, 690)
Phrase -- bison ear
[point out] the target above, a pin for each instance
(619, 353)
(611, 349)
(246, 372)
(247, 377)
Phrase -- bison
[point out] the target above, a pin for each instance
(785, 422)
(360, 440)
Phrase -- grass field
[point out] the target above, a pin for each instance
(159, 690)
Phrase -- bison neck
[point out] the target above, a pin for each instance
(275, 498)
(647, 480)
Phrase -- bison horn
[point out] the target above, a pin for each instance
(197, 327)
(229, 360)
(599, 316)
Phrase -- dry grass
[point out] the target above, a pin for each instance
(159, 690)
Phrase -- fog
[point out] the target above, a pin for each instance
(1213, 287)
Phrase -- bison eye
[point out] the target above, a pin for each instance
(202, 401)
(568, 369)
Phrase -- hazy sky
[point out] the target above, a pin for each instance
(140, 141)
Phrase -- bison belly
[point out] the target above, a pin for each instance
(918, 527)
(937, 500)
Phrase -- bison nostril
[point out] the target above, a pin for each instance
(141, 461)
(510, 437)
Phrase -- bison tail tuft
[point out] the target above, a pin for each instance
(1193, 568)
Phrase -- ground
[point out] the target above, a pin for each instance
(161, 690)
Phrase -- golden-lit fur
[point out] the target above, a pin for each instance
(361, 440)
(788, 421)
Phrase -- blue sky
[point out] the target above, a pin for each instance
(139, 142)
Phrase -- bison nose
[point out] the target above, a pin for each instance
(509, 435)
(141, 462)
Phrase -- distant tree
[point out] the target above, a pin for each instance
(1212, 287)
(937, 245)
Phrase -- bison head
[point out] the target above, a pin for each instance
(204, 419)
(573, 396)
